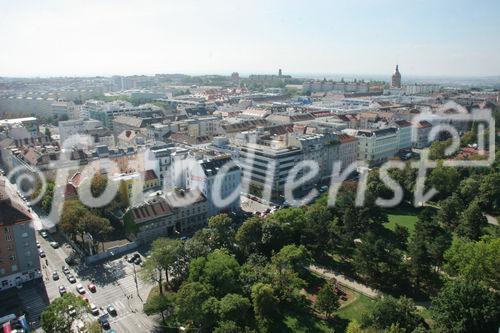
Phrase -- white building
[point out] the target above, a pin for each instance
(203, 179)
(79, 126)
(405, 134)
(376, 146)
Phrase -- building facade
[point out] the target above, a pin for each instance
(19, 259)
(203, 179)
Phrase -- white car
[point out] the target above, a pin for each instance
(80, 288)
(94, 309)
(38, 244)
(43, 233)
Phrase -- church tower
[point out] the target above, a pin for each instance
(396, 79)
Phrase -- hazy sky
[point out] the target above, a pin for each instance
(88, 37)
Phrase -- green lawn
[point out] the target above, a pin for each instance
(404, 217)
(356, 309)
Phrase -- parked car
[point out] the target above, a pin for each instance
(41, 253)
(62, 290)
(105, 323)
(112, 310)
(94, 309)
(37, 244)
(55, 276)
(80, 289)
(71, 279)
(137, 261)
(66, 270)
(92, 287)
(43, 233)
(84, 298)
(55, 245)
(71, 310)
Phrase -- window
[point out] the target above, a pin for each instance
(25, 234)
(8, 237)
(14, 268)
(12, 258)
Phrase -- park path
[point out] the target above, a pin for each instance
(346, 281)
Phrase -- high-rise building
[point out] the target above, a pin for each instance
(396, 79)
(19, 261)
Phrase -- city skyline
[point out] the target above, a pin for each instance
(362, 38)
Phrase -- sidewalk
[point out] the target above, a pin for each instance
(346, 281)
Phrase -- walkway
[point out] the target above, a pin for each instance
(346, 281)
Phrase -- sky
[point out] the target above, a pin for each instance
(107, 37)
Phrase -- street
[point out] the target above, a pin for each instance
(115, 284)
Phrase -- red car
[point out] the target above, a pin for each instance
(92, 287)
(85, 298)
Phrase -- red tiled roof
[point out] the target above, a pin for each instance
(149, 175)
(344, 138)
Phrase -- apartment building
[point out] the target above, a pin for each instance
(73, 127)
(271, 159)
(19, 260)
(203, 179)
(163, 216)
(376, 146)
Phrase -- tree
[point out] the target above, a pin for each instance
(249, 236)
(444, 179)
(168, 254)
(388, 311)
(222, 231)
(56, 317)
(472, 222)
(265, 305)
(354, 327)
(489, 192)
(437, 148)
(47, 132)
(449, 214)
(420, 261)
(98, 185)
(254, 270)
(297, 258)
(475, 261)
(314, 236)
(291, 219)
(429, 232)
(93, 327)
(469, 189)
(327, 300)
(199, 245)
(274, 236)
(401, 234)
(160, 303)
(227, 327)
(189, 303)
(466, 306)
(45, 202)
(235, 308)
(219, 270)
(379, 261)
